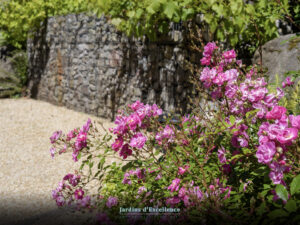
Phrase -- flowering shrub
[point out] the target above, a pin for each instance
(239, 166)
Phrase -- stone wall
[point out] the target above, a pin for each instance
(83, 63)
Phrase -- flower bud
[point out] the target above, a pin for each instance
(282, 162)
(279, 150)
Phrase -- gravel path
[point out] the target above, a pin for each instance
(27, 172)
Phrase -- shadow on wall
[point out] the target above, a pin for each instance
(83, 63)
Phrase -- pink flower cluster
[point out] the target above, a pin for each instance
(55, 136)
(128, 129)
(81, 140)
(77, 146)
(208, 51)
(57, 194)
(241, 96)
(287, 82)
(139, 173)
(190, 194)
(165, 136)
(111, 201)
(274, 138)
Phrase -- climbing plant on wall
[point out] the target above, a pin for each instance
(232, 20)
(20, 16)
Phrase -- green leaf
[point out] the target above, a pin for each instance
(295, 185)
(170, 9)
(154, 7)
(278, 213)
(186, 13)
(291, 206)
(282, 192)
(232, 120)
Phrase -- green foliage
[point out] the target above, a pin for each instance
(291, 99)
(12, 83)
(18, 17)
(235, 21)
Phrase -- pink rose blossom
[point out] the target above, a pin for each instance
(87, 126)
(173, 201)
(78, 194)
(295, 121)
(136, 105)
(60, 200)
(265, 152)
(125, 151)
(221, 155)
(117, 144)
(133, 121)
(287, 82)
(276, 113)
(175, 185)
(229, 54)
(111, 201)
(85, 202)
(205, 61)
(55, 136)
(182, 170)
(209, 48)
(138, 141)
(287, 135)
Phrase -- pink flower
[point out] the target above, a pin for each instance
(140, 173)
(207, 75)
(117, 144)
(55, 136)
(287, 135)
(182, 170)
(85, 202)
(196, 192)
(221, 155)
(138, 141)
(175, 185)
(287, 82)
(276, 113)
(158, 177)
(81, 141)
(111, 201)
(155, 110)
(205, 61)
(243, 142)
(276, 174)
(141, 190)
(137, 105)
(173, 201)
(265, 152)
(231, 75)
(121, 128)
(230, 91)
(78, 194)
(257, 94)
(144, 111)
(52, 152)
(229, 54)
(295, 121)
(74, 156)
(71, 134)
(126, 180)
(133, 121)
(60, 200)
(168, 132)
(87, 126)
(125, 151)
(209, 48)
